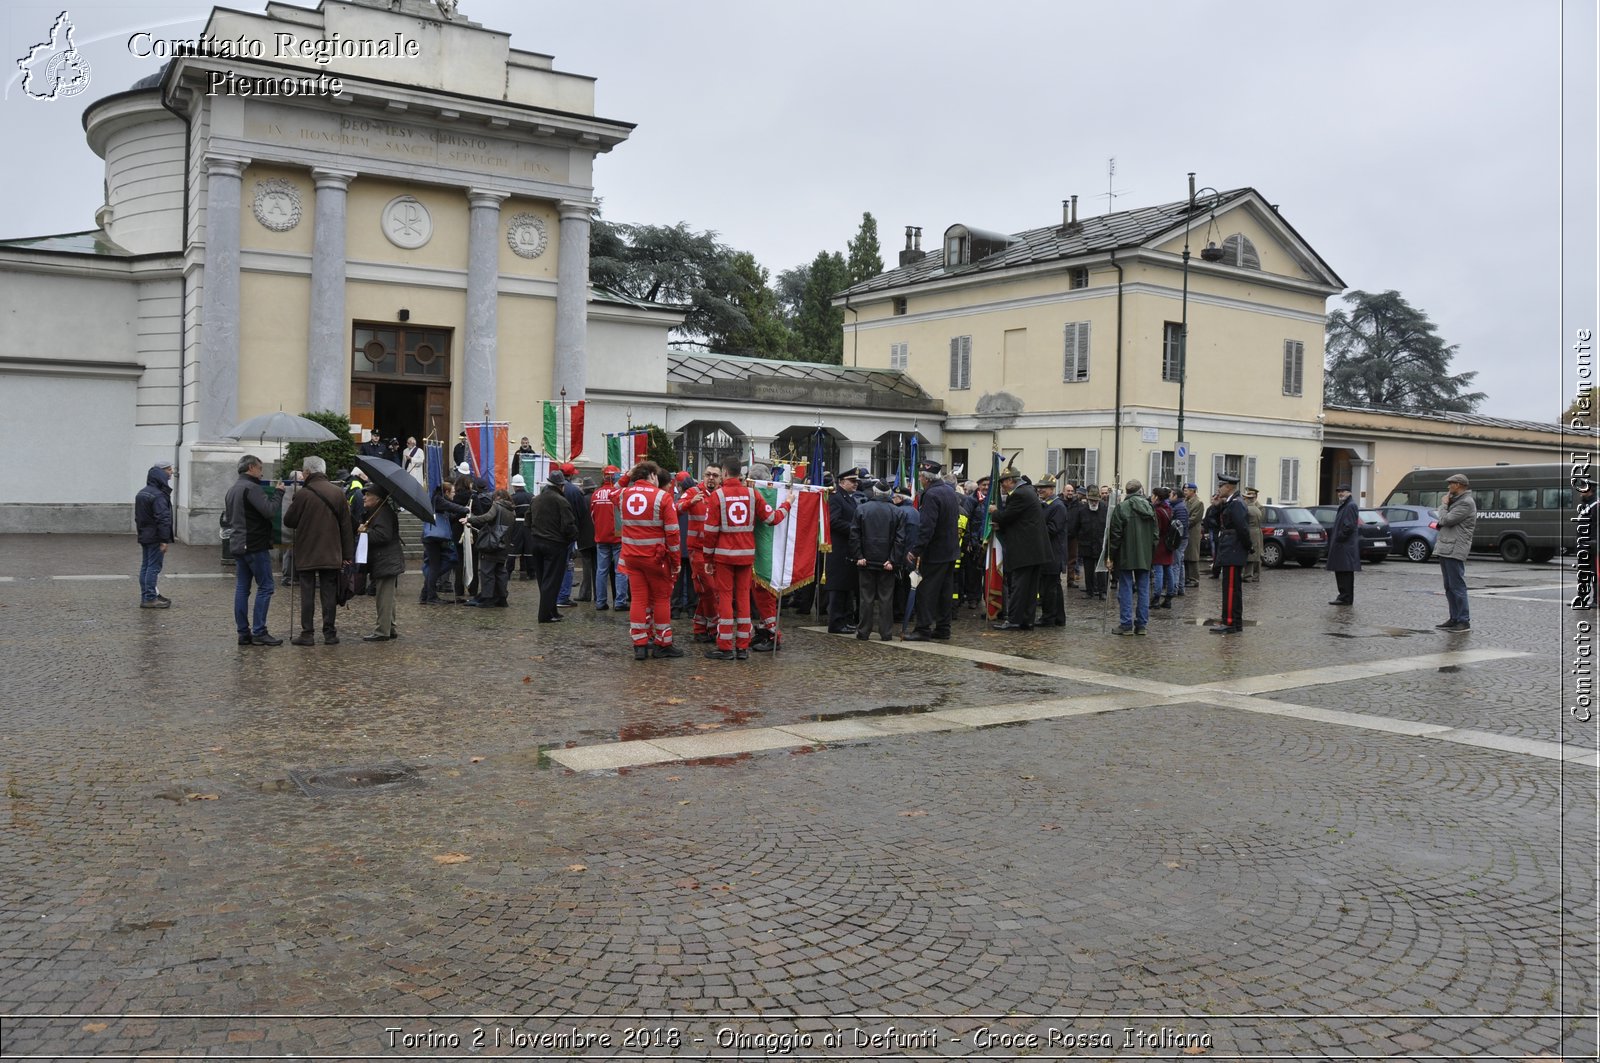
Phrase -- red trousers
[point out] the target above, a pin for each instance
(705, 610)
(733, 605)
(650, 607)
(766, 609)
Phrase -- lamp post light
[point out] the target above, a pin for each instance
(1211, 253)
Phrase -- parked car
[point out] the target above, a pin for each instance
(1291, 533)
(1374, 531)
(1413, 530)
(1523, 510)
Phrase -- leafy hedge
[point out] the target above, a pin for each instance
(339, 453)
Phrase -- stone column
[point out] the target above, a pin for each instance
(218, 371)
(328, 356)
(572, 301)
(482, 355)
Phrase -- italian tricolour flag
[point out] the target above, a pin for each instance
(786, 553)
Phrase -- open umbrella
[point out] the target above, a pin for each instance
(280, 427)
(401, 485)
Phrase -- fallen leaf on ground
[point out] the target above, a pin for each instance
(684, 802)
(1025, 776)
(1194, 1050)
(687, 884)
(202, 797)
(674, 778)
(577, 867)
(94, 1027)
(474, 760)
(1051, 826)
(707, 726)
(1173, 865)
(527, 679)
(914, 812)
(452, 858)
(674, 701)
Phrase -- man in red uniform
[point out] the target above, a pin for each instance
(764, 609)
(729, 543)
(697, 503)
(607, 541)
(650, 552)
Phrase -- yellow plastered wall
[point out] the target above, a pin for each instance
(274, 319)
(1243, 219)
(527, 329)
(365, 241)
(254, 236)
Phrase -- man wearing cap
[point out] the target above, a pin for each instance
(938, 544)
(461, 455)
(248, 515)
(1344, 547)
(1194, 532)
(518, 548)
(900, 498)
(1253, 513)
(1458, 518)
(1130, 551)
(1057, 518)
(1019, 521)
(841, 569)
(386, 558)
(1588, 522)
(1229, 525)
(580, 514)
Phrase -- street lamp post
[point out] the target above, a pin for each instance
(1211, 253)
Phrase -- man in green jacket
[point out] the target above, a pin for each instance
(1130, 550)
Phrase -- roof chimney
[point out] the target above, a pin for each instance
(913, 249)
(1069, 216)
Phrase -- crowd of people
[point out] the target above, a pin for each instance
(665, 546)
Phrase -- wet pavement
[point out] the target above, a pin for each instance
(1343, 833)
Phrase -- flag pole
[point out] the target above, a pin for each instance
(564, 447)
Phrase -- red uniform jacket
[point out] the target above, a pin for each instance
(730, 532)
(649, 526)
(603, 510)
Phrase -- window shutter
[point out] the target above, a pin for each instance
(955, 362)
(1189, 466)
(1083, 350)
(1075, 351)
(1294, 362)
(1249, 477)
(1152, 472)
(1219, 465)
(1288, 480)
(966, 361)
(1091, 467)
(1052, 461)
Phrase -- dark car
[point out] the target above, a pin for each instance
(1289, 533)
(1374, 531)
(1413, 530)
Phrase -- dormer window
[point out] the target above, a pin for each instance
(1237, 250)
(957, 251)
(964, 245)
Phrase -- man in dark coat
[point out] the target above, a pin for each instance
(1344, 547)
(323, 541)
(841, 568)
(1229, 526)
(552, 529)
(1057, 517)
(248, 515)
(1019, 521)
(581, 519)
(152, 519)
(438, 543)
(938, 545)
(517, 542)
(877, 541)
(386, 558)
(1088, 530)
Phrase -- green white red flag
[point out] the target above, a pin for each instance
(786, 553)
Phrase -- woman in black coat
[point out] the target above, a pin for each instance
(386, 558)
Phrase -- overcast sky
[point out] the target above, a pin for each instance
(1416, 144)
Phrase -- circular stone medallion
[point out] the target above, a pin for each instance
(277, 204)
(406, 222)
(527, 235)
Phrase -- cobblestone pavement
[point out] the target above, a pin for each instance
(1155, 867)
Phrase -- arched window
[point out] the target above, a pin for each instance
(1237, 250)
(794, 444)
(891, 448)
(703, 444)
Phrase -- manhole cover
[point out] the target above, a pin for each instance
(357, 779)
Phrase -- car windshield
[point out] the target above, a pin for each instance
(1372, 516)
(1299, 516)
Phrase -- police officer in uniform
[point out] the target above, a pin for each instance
(1230, 527)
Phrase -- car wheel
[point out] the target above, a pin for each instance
(1513, 550)
(1272, 554)
(1418, 549)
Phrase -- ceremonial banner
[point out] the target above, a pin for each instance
(433, 463)
(786, 554)
(535, 470)
(552, 441)
(913, 482)
(627, 449)
(575, 444)
(994, 579)
(490, 444)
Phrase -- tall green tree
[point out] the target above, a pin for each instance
(1384, 352)
(819, 327)
(866, 257)
(767, 335)
(674, 265)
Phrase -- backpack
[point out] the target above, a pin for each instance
(1172, 538)
(493, 536)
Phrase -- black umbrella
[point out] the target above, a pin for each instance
(401, 485)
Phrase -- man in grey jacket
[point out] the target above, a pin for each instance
(1458, 516)
(248, 515)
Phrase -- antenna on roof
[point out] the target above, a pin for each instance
(1110, 194)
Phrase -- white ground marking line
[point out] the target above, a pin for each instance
(85, 578)
(1495, 592)
(197, 575)
(1134, 694)
(8, 579)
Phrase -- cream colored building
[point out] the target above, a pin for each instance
(409, 250)
(1061, 344)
